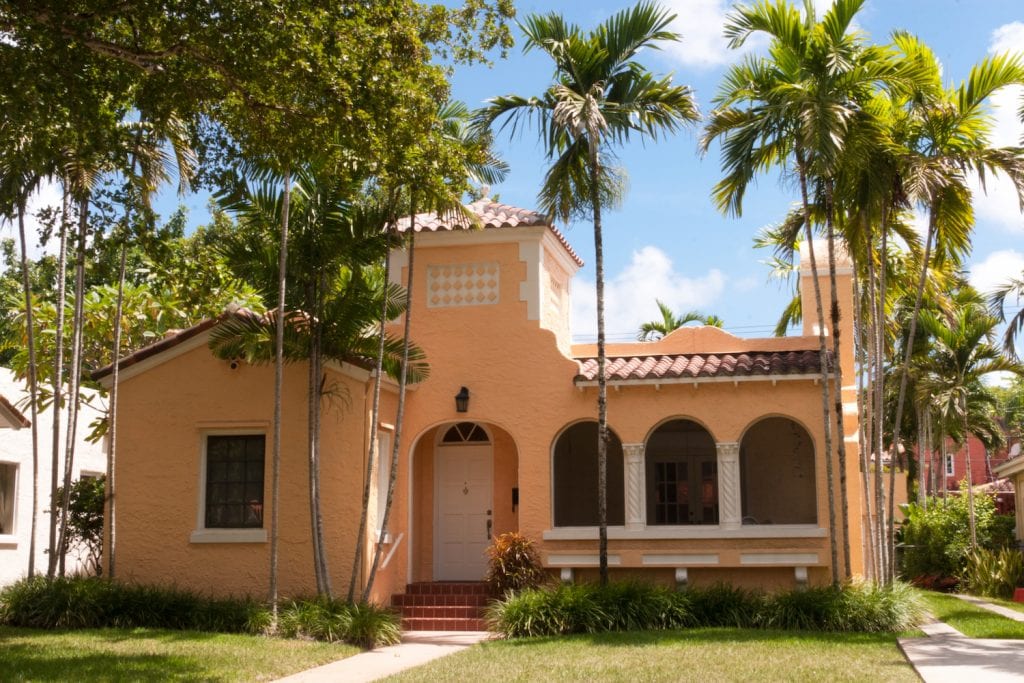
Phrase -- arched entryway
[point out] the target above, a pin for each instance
(463, 502)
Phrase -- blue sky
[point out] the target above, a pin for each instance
(667, 240)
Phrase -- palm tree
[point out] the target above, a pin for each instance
(797, 108)
(1014, 287)
(948, 138)
(962, 353)
(18, 184)
(670, 322)
(337, 294)
(601, 95)
(150, 166)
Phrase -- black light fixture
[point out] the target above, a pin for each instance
(462, 400)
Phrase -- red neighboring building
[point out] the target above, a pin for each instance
(955, 470)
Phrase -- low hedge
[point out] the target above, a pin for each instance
(93, 602)
(628, 606)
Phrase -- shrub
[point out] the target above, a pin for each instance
(90, 602)
(938, 539)
(725, 605)
(636, 606)
(334, 620)
(994, 574)
(514, 564)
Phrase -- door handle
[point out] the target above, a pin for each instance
(490, 524)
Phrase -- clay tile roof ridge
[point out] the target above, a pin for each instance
(702, 365)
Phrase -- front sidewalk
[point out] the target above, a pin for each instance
(948, 656)
(417, 647)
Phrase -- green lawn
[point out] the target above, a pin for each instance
(972, 621)
(155, 655)
(719, 654)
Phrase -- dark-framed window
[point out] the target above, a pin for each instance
(234, 481)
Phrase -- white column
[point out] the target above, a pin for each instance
(730, 512)
(634, 457)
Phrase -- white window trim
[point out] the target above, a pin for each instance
(11, 540)
(385, 434)
(201, 534)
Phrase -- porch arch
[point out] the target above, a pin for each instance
(777, 473)
(574, 477)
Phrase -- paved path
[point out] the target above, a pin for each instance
(417, 647)
(948, 656)
(998, 609)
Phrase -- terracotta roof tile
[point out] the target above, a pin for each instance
(699, 365)
(488, 214)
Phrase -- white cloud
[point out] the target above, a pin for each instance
(700, 22)
(996, 269)
(630, 295)
(48, 194)
(1008, 38)
(999, 205)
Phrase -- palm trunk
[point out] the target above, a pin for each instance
(112, 433)
(823, 360)
(862, 349)
(881, 520)
(75, 378)
(58, 383)
(371, 456)
(33, 388)
(837, 376)
(316, 382)
(922, 458)
(912, 334)
(400, 415)
(602, 385)
(970, 483)
(275, 477)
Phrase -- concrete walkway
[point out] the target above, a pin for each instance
(417, 647)
(948, 656)
(998, 609)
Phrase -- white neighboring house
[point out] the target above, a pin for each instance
(16, 475)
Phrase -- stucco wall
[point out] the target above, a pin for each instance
(166, 413)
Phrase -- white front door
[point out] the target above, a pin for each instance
(464, 484)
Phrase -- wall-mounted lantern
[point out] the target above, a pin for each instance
(462, 400)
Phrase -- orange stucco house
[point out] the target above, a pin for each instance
(716, 467)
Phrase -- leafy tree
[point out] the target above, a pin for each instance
(85, 521)
(600, 96)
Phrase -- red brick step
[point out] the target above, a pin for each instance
(443, 606)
